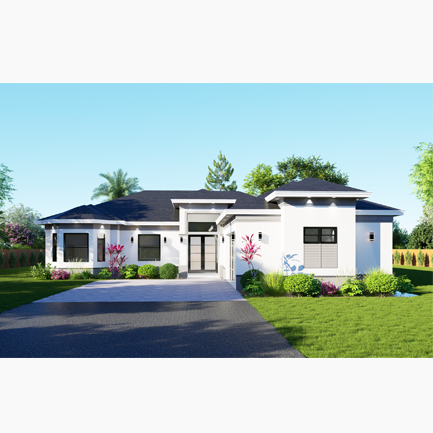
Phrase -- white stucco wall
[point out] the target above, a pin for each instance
(367, 252)
(386, 246)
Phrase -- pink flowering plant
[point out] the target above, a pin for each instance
(60, 274)
(115, 261)
(329, 289)
(19, 234)
(254, 286)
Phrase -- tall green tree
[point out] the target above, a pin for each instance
(421, 237)
(6, 186)
(218, 178)
(297, 168)
(421, 175)
(118, 185)
(262, 179)
(400, 236)
(23, 215)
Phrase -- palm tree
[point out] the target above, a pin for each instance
(117, 186)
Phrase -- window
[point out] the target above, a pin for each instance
(54, 247)
(101, 247)
(320, 247)
(149, 248)
(202, 227)
(76, 247)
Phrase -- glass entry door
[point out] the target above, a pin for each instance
(202, 254)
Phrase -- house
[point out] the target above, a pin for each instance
(310, 226)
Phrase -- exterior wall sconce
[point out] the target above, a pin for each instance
(132, 239)
(222, 240)
(371, 237)
(165, 240)
(260, 236)
(181, 239)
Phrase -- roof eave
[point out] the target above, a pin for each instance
(310, 194)
(368, 212)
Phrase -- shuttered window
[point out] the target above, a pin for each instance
(320, 247)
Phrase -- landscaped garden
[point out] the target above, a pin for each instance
(332, 325)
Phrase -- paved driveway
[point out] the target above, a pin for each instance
(188, 290)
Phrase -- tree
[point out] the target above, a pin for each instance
(117, 186)
(6, 187)
(25, 216)
(218, 179)
(298, 168)
(261, 180)
(400, 236)
(422, 174)
(421, 237)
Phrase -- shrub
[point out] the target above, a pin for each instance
(104, 273)
(273, 283)
(168, 271)
(421, 237)
(40, 272)
(76, 276)
(12, 259)
(420, 258)
(2, 260)
(329, 289)
(86, 275)
(397, 258)
(404, 284)
(408, 258)
(39, 243)
(32, 258)
(129, 271)
(23, 259)
(353, 287)
(302, 285)
(60, 275)
(380, 284)
(148, 271)
(254, 287)
(41, 257)
(247, 276)
(19, 234)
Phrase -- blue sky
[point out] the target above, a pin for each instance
(57, 138)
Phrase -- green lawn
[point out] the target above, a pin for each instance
(358, 327)
(17, 287)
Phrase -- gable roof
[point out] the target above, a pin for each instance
(157, 206)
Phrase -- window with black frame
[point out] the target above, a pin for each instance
(149, 248)
(320, 247)
(320, 235)
(54, 247)
(101, 248)
(76, 247)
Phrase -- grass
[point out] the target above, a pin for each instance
(18, 287)
(359, 327)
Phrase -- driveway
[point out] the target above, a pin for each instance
(188, 290)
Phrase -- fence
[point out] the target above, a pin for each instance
(17, 253)
(428, 257)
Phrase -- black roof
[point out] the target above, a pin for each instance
(369, 205)
(313, 184)
(157, 206)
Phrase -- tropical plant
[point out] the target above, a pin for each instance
(404, 284)
(380, 284)
(408, 258)
(6, 187)
(400, 236)
(298, 168)
(168, 271)
(421, 237)
(12, 260)
(218, 178)
(329, 289)
(117, 186)
(2, 260)
(421, 175)
(420, 258)
(41, 272)
(129, 272)
(254, 287)
(115, 260)
(86, 274)
(23, 259)
(41, 257)
(353, 287)
(19, 234)
(248, 275)
(302, 285)
(148, 271)
(60, 274)
(250, 252)
(104, 273)
(273, 283)
(397, 257)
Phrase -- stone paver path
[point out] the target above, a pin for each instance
(188, 290)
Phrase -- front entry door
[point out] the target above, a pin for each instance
(202, 254)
